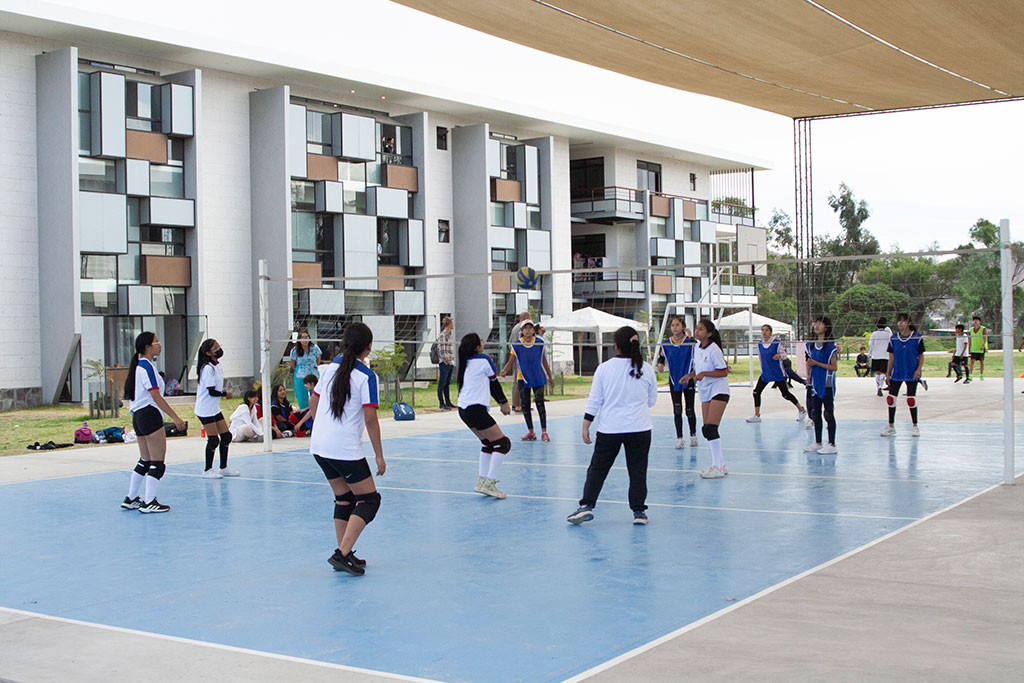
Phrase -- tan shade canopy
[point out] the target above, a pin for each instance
(792, 57)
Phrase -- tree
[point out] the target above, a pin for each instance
(926, 282)
(977, 288)
(779, 232)
(831, 278)
(776, 290)
(854, 311)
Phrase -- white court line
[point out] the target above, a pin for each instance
(771, 589)
(574, 500)
(218, 646)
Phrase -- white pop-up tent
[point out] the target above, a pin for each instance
(590, 320)
(748, 320)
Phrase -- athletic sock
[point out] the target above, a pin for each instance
(211, 448)
(485, 463)
(135, 483)
(716, 453)
(224, 455)
(152, 484)
(496, 460)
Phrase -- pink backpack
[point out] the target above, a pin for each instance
(83, 434)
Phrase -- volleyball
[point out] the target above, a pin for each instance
(526, 277)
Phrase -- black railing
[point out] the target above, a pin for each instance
(585, 199)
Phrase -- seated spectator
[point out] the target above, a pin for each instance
(245, 422)
(280, 411)
(863, 365)
(302, 420)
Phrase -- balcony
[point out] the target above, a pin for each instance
(607, 204)
(617, 284)
(732, 214)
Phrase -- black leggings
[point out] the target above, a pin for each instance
(606, 449)
(677, 410)
(894, 391)
(524, 402)
(781, 386)
(818, 405)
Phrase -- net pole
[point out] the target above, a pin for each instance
(265, 356)
(750, 346)
(1008, 339)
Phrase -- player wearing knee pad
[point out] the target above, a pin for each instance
(906, 362)
(711, 373)
(209, 391)
(477, 379)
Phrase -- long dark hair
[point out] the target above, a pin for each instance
(827, 322)
(681, 322)
(283, 402)
(356, 339)
(714, 337)
(467, 349)
(627, 341)
(204, 357)
(141, 342)
(299, 351)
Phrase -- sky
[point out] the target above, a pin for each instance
(926, 176)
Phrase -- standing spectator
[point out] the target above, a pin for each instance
(959, 360)
(304, 359)
(863, 365)
(446, 351)
(878, 349)
(979, 345)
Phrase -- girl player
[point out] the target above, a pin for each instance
(822, 363)
(906, 359)
(344, 402)
(772, 372)
(477, 380)
(677, 351)
(711, 373)
(208, 394)
(144, 387)
(534, 373)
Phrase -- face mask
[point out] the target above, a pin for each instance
(219, 352)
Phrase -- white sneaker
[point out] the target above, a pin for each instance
(479, 488)
(810, 424)
(227, 472)
(713, 473)
(754, 418)
(888, 431)
(802, 416)
(828, 449)
(287, 433)
(490, 488)
(693, 441)
(916, 431)
(812, 448)
(211, 474)
(680, 443)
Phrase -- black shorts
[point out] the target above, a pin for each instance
(210, 420)
(959, 360)
(353, 471)
(477, 417)
(879, 365)
(977, 356)
(146, 421)
(724, 398)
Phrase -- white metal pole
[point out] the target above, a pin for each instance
(1008, 339)
(265, 356)
(750, 338)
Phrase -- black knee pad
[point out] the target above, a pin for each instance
(486, 446)
(212, 441)
(156, 469)
(502, 445)
(343, 512)
(367, 505)
(141, 467)
(225, 439)
(710, 432)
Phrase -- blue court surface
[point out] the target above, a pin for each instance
(462, 587)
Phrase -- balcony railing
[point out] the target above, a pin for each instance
(610, 283)
(608, 202)
(735, 214)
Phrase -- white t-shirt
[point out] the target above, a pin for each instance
(147, 380)
(476, 383)
(878, 344)
(212, 376)
(621, 403)
(342, 438)
(245, 417)
(707, 359)
(961, 345)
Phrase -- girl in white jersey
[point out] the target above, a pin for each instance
(344, 402)
(711, 374)
(144, 387)
(477, 379)
(208, 395)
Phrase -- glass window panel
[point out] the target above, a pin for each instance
(134, 220)
(175, 151)
(324, 233)
(303, 195)
(152, 249)
(702, 212)
(99, 297)
(373, 172)
(533, 217)
(83, 91)
(498, 214)
(168, 301)
(387, 242)
(353, 178)
(128, 267)
(84, 133)
(166, 181)
(139, 103)
(404, 141)
(97, 175)
(658, 226)
(99, 267)
(303, 231)
(138, 124)
(303, 256)
(318, 128)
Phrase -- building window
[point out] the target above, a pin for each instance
(84, 122)
(586, 174)
(168, 301)
(313, 240)
(97, 175)
(353, 179)
(442, 138)
(533, 220)
(501, 214)
(387, 242)
(504, 259)
(658, 226)
(705, 257)
(394, 144)
(444, 231)
(166, 181)
(318, 133)
(142, 106)
(648, 176)
(99, 284)
(693, 181)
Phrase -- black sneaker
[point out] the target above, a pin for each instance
(131, 503)
(345, 563)
(154, 506)
(879, 392)
(358, 561)
(584, 513)
(639, 517)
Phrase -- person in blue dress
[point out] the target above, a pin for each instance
(304, 359)
(822, 364)
(677, 353)
(906, 361)
(772, 372)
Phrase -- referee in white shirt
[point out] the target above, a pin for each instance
(621, 396)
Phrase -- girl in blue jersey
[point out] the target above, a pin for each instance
(144, 387)
(822, 363)
(477, 379)
(677, 353)
(534, 374)
(906, 360)
(772, 372)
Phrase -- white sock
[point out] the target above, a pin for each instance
(716, 453)
(880, 380)
(496, 460)
(134, 484)
(485, 463)
(152, 484)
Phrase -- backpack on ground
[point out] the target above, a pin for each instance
(83, 434)
(403, 411)
(435, 354)
(112, 434)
